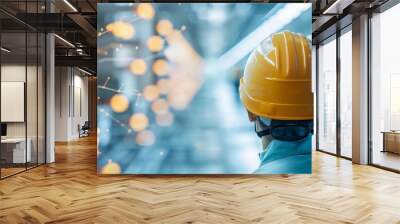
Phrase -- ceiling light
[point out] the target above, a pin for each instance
(278, 18)
(70, 5)
(84, 71)
(337, 7)
(5, 50)
(65, 41)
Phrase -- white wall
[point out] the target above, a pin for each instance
(71, 93)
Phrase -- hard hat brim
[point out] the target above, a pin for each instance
(274, 110)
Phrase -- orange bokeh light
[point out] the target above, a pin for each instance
(145, 10)
(145, 138)
(160, 106)
(151, 92)
(164, 27)
(119, 103)
(160, 67)
(138, 121)
(164, 86)
(121, 29)
(165, 119)
(111, 168)
(178, 100)
(155, 43)
(138, 66)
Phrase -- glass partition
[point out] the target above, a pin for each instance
(13, 105)
(22, 89)
(31, 97)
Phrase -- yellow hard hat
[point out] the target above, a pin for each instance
(277, 79)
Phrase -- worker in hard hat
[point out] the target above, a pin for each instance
(276, 91)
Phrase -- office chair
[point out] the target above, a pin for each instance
(84, 130)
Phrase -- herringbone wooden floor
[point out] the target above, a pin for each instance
(69, 191)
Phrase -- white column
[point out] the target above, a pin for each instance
(50, 92)
(50, 99)
(360, 90)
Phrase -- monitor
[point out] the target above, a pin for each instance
(3, 129)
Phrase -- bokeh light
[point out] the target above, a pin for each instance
(145, 10)
(165, 119)
(121, 29)
(178, 100)
(160, 106)
(151, 92)
(145, 138)
(138, 66)
(160, 67)
(164, 27)
(155, 43)
(111, 168)
(139, 121)
(119, 103)
(163, 86)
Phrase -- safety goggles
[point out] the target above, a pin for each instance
(286, 131)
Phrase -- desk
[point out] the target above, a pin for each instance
(391, 141)
(17, 150)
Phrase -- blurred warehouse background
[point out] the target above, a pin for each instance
(168, 79)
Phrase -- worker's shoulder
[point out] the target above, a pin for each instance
(296, 164)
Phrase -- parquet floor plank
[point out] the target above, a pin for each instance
(70, 191)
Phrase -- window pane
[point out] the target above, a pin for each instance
(346, 94)
(386, 89)
(327, 96)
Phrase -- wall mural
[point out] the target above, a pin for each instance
(204, 88)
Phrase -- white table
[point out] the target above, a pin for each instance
(19, 155)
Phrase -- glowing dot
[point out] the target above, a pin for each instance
(145, 10)
(119, 103)
(151, 92)
(160, 67)
(163, 86)
(165, 119)
(111, 168)
(183, 28)
(178, 100)
(160, 106)
(145, 137)
(121, 29)
(155, 43)
(138, 66)
(138, 121)
(164, 27)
